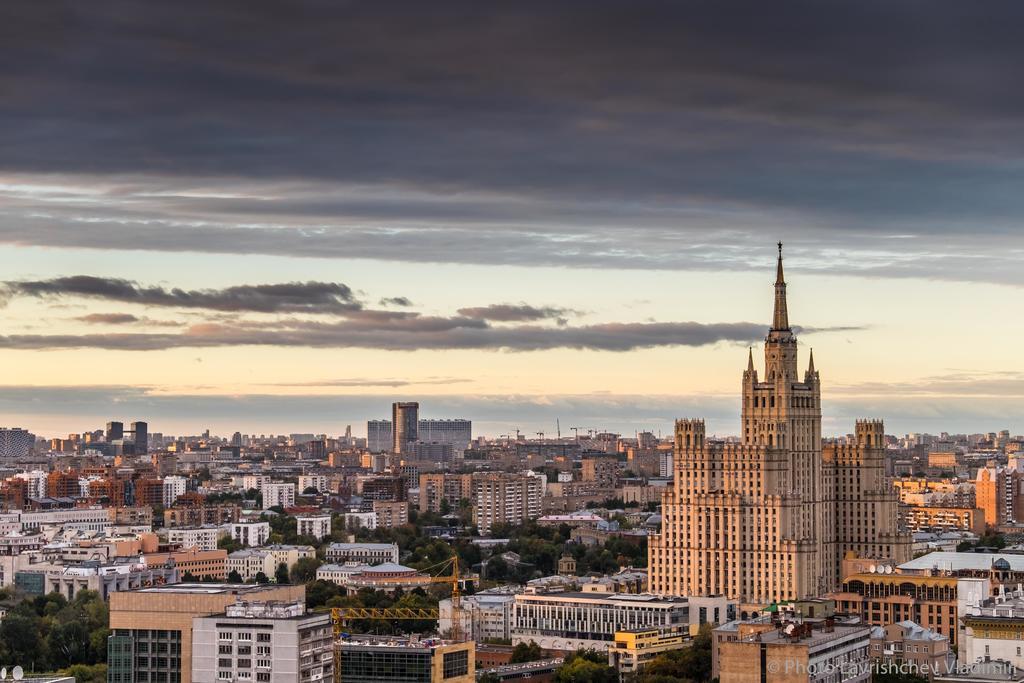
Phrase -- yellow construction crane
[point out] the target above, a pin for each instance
(343, 615)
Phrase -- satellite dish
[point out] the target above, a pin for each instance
(19, 673)
(3, 674)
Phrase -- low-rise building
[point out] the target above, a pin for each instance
(906, 644)
(763, 651)
(635, 648)
(368, 659)
(367, 553)
(250, 563)
(196, 563)
(568, 621)
(203, 538)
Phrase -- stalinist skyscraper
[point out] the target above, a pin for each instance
(771, 517)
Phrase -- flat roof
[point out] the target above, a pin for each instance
(947, 560)
(208, 588)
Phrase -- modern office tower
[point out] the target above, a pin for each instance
(770, 518)
(263, 641)
(140, 434)
(405, 421)
(372, 659)
(501, 498)
(115, 431)
(174, 486)
(151, 628)
(15, 442)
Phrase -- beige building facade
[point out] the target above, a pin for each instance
(770, 517)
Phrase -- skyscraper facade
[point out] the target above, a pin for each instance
(769, 518)
(405, 420)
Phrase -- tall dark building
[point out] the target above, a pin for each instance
(405, 421)
(141, 432)
(115, 431)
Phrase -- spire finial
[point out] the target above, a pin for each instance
(750, 359)
(810, 367)
(779, 279)
(780, 321)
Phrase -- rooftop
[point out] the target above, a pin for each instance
(209, 588)
(952, 561)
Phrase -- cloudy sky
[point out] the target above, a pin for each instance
(278, 217)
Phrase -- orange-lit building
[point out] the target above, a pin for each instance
(62, 485)
(149, 492)
(202, 564)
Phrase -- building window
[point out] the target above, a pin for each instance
(456, 664)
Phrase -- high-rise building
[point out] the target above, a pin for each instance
(405, 422)
(15, 442)
(378, 435)
(174, 486)
(140, 437)
(115, 431)
(278, 495)
(500, 498)
(458, 433)
(770, 517)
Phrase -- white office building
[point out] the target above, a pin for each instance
(570, 621)
(263, 642)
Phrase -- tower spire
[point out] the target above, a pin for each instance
(750, 359)
(780, 320)
(810, 366)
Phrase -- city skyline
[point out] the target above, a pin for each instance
(215, 239)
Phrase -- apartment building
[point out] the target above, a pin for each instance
(505, 499)
(364, 553)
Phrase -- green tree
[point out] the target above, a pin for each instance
(304, 570)
(262, 578)
(585, 666)
(526, 652)
(234, 576)
(87, 673)
(281, 574)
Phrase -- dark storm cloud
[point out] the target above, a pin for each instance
(515, 312)
(291, 297)
(640, 134)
